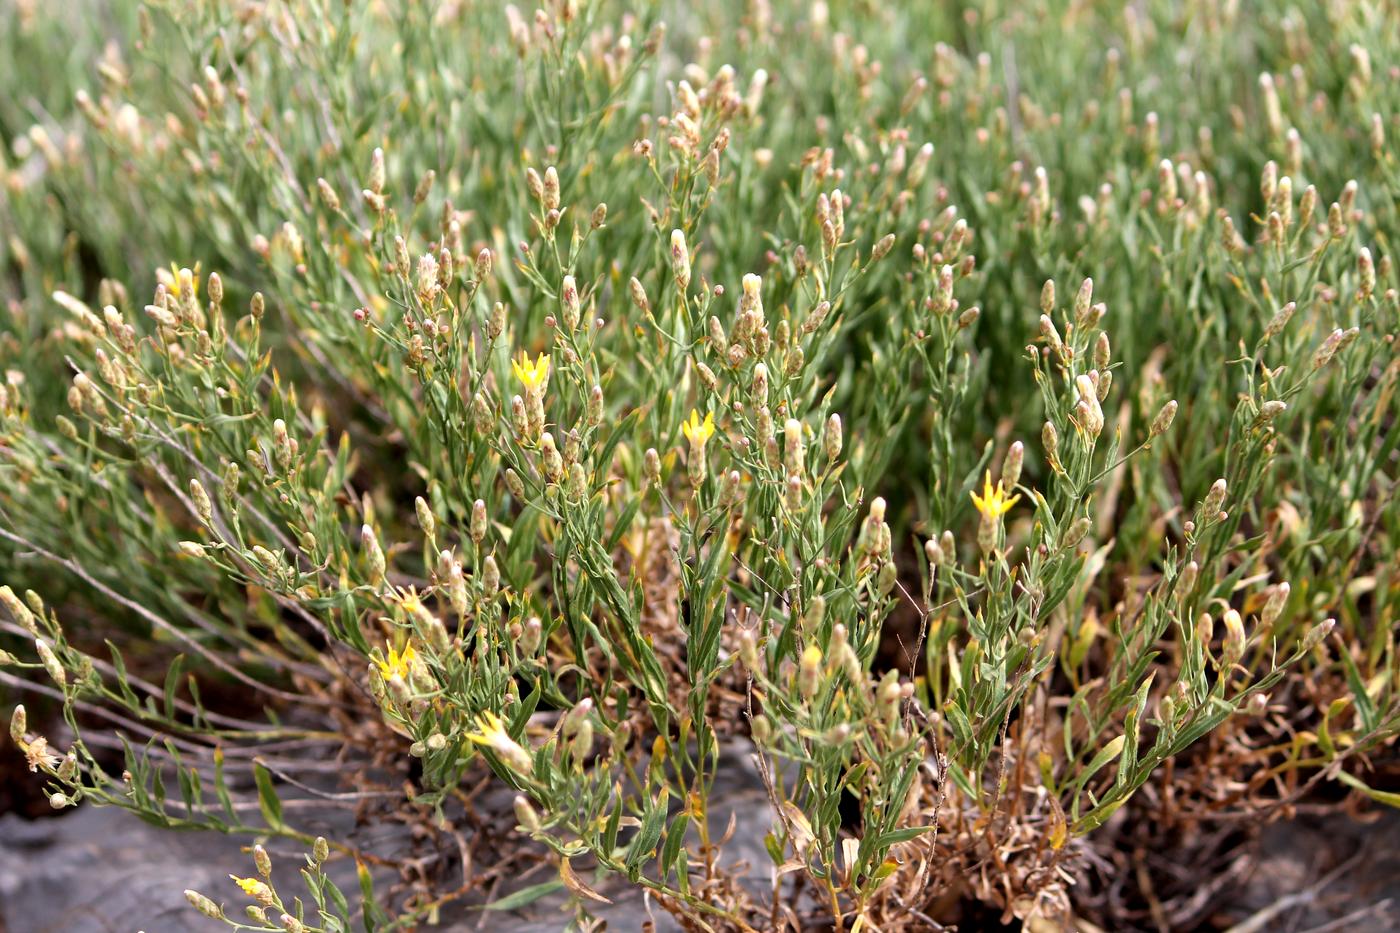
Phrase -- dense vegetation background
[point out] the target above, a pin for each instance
(984, 414)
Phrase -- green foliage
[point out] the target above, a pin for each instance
(523, 401)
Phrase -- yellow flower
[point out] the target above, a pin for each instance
(535, 375)
(489, 729)
(251, 886)
(696, 431)
(171, 281)
(993, 503)
(397, 663)
(491, 732)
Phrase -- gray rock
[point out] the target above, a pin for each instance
(103, 870)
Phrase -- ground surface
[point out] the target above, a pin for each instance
(103, 871)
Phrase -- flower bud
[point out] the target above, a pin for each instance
(569, 302)
(553, 463)
(1317, 633)
(595, 406)
(748, 651)
(1234, 643)
(792, 493)
(526, 816)
(425, 516)
(882, 248)
(1102, 353)
(1051, 335)
(1215, 498)
(1083, 301)
(374, 556)
(1366, 275)
(1077, 531)
(1328, 349)
(809, 672)
(1011, 467)
(1273, 607)
(577, 486)
(531, 636)
(1187, 580)
(203, 508)
(18, 610)
(651, 466)
(476, 529)
(1279, 321)
(794, 451)
(51, 662)
(514, 485)
(1163, 421)
(549, 191)
(831, 438)
(204, 905)
(375, 182)
(490, 578)
(639, 295)
(1269, 411)
(680, 259)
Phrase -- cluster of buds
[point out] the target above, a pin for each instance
(717, 100)
(873, 543)
(1088, 413)
(1212, 506)
(843, 656)
(940, 551)
(942, 301)
(831, 218)
(1332, 344)
(749, 336)
(453, 580)
(1183, 193)
(890, 698)
(577, 729)
(546, 192)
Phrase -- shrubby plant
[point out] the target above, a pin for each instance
(984, 420)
